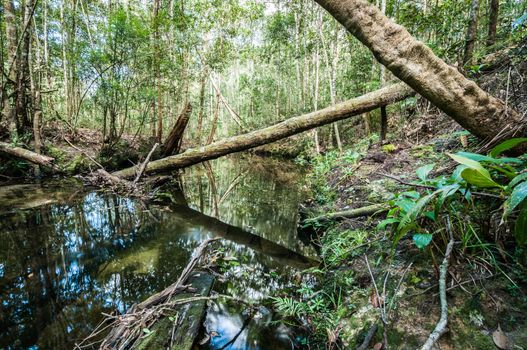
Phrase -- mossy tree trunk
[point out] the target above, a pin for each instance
(414, 63)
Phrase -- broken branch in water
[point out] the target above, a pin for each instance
(127, 329)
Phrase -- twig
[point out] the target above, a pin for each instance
(368, 338)
(145, 163)
(383, 314)
(440, 328)
(83, 152)
(480, 194)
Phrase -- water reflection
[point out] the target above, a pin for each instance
(68, 255)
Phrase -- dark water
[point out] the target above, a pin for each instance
(69, 254)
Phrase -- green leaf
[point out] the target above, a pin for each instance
(517, 180)
(517, 197)
(456, 175)
(520, 228)
(408, 220)
(481, 158)
(422, 172)
(478, 179)
(411, 194)
(382, 225)
(468, 162)
(422, 240)
(506, 145)
(475, 174)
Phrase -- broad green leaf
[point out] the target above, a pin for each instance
(414, 212)
(475, 174)
(481, 158)
(405, 204)
(422, 240)
(517, 180)
(446, 192)
(382, 225)
(517, 197)
(411, 194)
(506, 145)
(520, 228)
(478, 179)
(468, 162)
(456, 175)
(422, 172)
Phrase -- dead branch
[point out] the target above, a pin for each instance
(440, 328)
(369, 336)
(145, 163)
(127, 329)
(25, 154)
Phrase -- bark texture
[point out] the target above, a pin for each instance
(472, 32)
(279, 131)
(22, 153)
(493, 21)
(414, 63)
(173, 142)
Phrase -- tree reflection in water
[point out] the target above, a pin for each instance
(74, 254)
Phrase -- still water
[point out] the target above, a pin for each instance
(69, 253)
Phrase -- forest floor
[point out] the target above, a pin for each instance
(485, 290)
(487, 278)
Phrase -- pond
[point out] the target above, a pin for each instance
(70, 254)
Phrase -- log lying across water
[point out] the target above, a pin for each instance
(24, 154)
(289, 127)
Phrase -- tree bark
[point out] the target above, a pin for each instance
(289, 127)
(22, 153)
(493, 22)
(472, 32)
(173, 142)
(413, 62)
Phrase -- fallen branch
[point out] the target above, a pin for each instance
(30, 156)
(369, 336)
(440, 328)
(353, 213)
(127, 329)
(289, 127)
(145, 163)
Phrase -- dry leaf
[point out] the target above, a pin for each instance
(500, 339)
(377, 346)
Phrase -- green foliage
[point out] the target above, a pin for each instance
(416, 213)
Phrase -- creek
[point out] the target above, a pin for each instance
(69, 253)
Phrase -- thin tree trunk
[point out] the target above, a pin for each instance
(157, 68)
(472, 33)
(384, 114)
(493, 21)
(9, 111)
(413, 62)
(203, 85)
(65, 63)
(289, 127)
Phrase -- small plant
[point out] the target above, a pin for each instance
(502, 177)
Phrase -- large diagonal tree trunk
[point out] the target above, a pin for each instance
(414, 63)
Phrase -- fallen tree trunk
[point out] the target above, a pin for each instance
(414, 63)
(289, 127)
(24, 154)
(353, 213)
